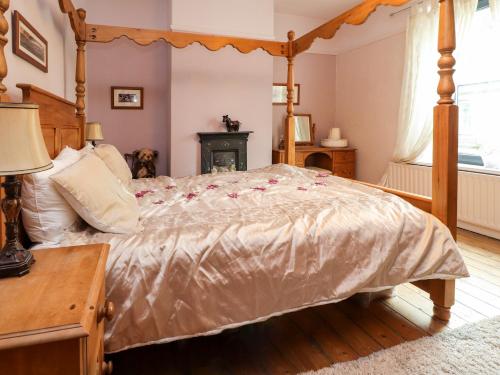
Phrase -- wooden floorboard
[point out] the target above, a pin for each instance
(318, 337)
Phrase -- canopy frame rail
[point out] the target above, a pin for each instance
(144, 37)
(355, 16)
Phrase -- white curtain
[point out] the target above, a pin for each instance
(420, 79)
(495, 10)
(419, 82)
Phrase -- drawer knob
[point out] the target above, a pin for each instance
(107, 311)
(107, 368)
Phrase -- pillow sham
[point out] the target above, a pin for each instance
(115, 162)
(45, 213)
(98, 196)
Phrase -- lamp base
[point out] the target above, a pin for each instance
(15, 262)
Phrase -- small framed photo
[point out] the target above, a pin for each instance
(28, 43)
(127, 97)
(280, 93)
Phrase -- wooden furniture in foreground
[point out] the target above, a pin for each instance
(445, 172)
(340, 161)
(53, 318)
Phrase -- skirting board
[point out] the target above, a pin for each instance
(480, 230)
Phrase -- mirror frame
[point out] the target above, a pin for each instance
(311, 129)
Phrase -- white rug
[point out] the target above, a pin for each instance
(469, 350)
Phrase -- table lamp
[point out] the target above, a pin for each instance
(93, 132)
(22, 151)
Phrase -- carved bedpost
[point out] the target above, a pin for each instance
(4, 29)
(80, 69)
(79, 27)
(445, 152)
(290, 124)
(445, 171)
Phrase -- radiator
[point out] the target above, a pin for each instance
(478, 195)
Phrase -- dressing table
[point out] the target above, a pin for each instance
(340, 161)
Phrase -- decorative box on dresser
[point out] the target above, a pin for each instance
(340, 161)
(52, 319)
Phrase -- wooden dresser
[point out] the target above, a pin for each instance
(52, 320)
(341, 161)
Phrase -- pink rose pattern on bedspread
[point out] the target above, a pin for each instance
(225, 186)
(219, 251)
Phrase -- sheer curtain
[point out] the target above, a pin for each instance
(495, 10)
(420, 79)
(419, 82)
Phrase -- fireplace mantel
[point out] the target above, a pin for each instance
(224, 150)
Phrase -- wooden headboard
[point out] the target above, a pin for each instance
(61, 126)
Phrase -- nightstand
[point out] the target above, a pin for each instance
(52, 320)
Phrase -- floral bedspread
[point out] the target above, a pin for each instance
(219, 251)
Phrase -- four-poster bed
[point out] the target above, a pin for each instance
(443, 204)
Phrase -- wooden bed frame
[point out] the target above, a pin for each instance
(63, 121)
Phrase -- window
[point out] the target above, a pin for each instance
(479, 129)
(481, 4)
(478, 95)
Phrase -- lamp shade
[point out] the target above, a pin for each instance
(22, 147)
(93, 131)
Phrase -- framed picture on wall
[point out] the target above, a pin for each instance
(28, 43)
(280, 93)
(127, 97)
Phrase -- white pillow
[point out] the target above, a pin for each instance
(69, 153)
(46, 214)
(115, 162)
(98, 196)
(87, 149)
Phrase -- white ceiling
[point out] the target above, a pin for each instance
(304, 15)
(323, 9)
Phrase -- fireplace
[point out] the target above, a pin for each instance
(223, 151)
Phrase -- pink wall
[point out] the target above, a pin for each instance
(123, 63)
(206, 86)
(316, 75)
(250, 19)
(368, 94)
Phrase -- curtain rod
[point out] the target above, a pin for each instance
(404, 9)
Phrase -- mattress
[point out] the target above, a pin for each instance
(224, 250)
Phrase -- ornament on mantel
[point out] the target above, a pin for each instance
(231, 126)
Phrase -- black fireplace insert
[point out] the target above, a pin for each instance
(223, 151)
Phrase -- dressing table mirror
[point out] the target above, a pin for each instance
(304, 130)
